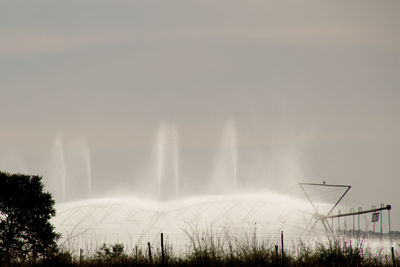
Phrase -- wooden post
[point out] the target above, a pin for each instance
(276, 258)
(393, 259)
(80, 256)
(282, 250)
(136, 253)
(150, 259)
(162, 248)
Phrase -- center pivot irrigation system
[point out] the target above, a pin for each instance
(323, 218)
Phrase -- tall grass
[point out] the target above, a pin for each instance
(222, 248)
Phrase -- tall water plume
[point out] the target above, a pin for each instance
(57, 176)
(230, 132)
(79, 167)
(167, 161)
(225, 177)
(88, 160)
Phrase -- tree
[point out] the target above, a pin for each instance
(25, 213)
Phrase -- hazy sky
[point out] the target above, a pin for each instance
(311, 87)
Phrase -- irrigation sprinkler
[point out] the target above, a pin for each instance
(352, 212)
(375, 214)
(320, 217)
(387, 207)
(375, 217)
(323, 219)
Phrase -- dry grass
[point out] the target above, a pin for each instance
(225, 249)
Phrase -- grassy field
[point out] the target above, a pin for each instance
(217, 250)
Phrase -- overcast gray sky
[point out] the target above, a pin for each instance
(311, 86)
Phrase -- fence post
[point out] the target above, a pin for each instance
(150, 259)
(162, 248)
(276, 258)
(393, 259)
(80, 256)
(282, 250)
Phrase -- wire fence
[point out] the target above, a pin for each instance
(182, 244)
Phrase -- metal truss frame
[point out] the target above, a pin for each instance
(317, 217)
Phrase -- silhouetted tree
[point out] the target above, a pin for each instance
(25, 212)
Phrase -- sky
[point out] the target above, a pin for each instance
(307, 90)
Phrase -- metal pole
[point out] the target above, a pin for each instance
(352, 211)
(389, 223)
(337, 202)
(359, 212)
(388, 207)
(373, 207)
(380, 218)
